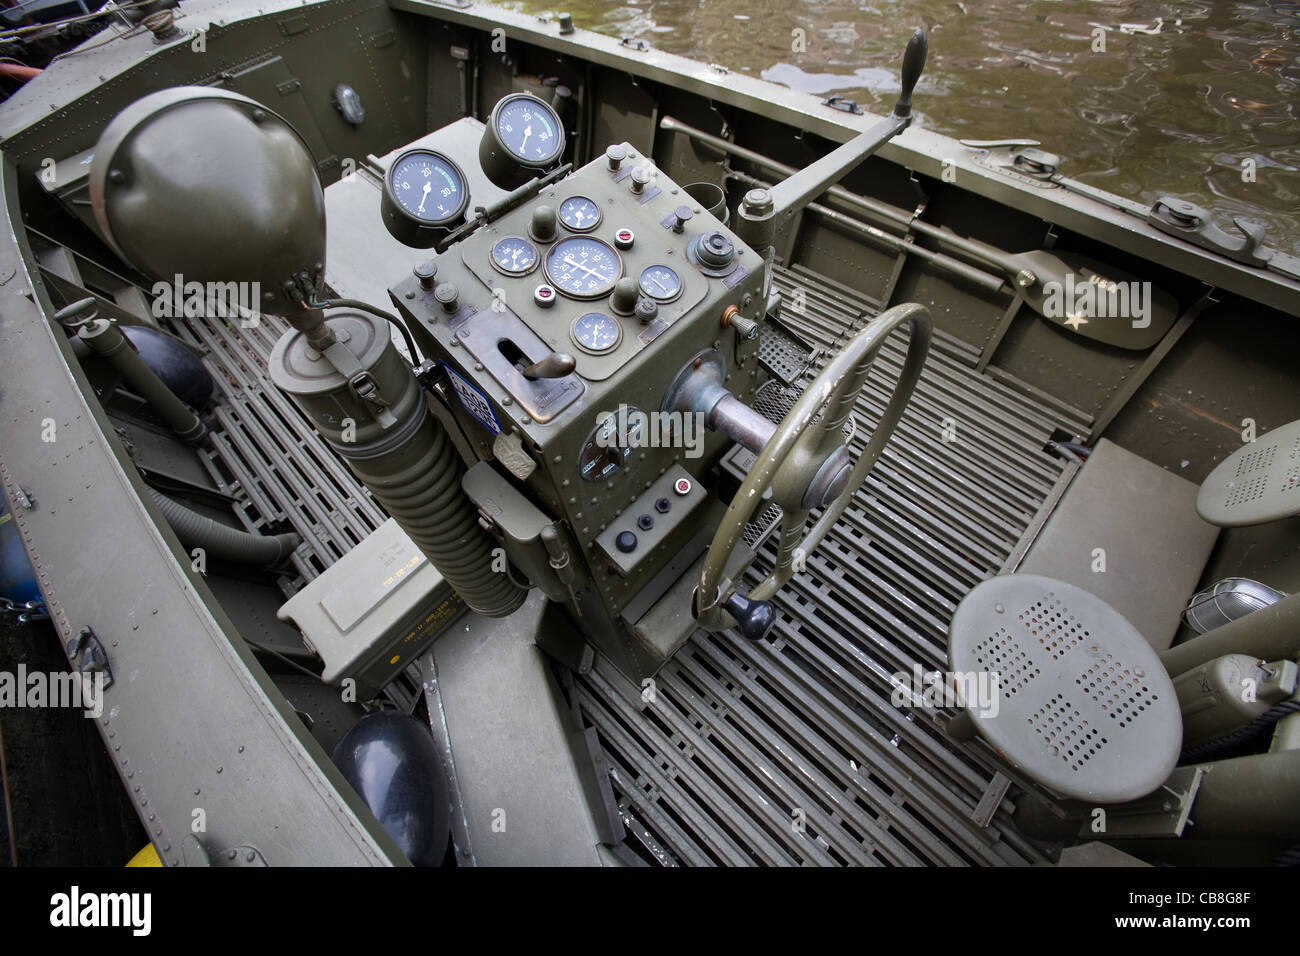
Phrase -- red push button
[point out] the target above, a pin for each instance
(682, 486)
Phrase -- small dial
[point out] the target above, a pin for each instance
(515, 256)
(607, 448)
(660, 283)
(428, 187)
(529, 129)
(582, 267)
(596, 332)
(579, 214)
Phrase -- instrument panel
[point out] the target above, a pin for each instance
(597, 270)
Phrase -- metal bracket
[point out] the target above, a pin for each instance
(194, 853)
(88, 655)
(838, 102)
(1184, 219)
(1020, 160)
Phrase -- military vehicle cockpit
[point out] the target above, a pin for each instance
(563, 447)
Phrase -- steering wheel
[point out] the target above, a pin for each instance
(806, 466)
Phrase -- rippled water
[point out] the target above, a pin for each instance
(1182, 94)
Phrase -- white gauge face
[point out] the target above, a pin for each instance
(596, 332)
(579, 214)
(529, 129)
(428, 187)
(515, 256)
(583, 268)
(660, 283)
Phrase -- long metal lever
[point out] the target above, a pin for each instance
(811, 181)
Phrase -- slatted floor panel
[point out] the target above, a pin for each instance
(791, 751)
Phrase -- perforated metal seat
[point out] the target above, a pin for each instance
(1082, 704)
(1258, 482)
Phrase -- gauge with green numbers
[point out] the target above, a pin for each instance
(523, 137)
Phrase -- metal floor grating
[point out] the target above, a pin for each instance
(268, 455)
(790, 751)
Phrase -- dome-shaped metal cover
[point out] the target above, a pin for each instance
(211, 186)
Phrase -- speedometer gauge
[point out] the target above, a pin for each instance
(425, 196)
(596, 332)
(523, 136)
(582, 267)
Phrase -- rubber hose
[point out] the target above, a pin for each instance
(418, 484)
(221, 541)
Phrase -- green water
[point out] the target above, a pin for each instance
(1181, 96)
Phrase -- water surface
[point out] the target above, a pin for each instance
(1183, 94)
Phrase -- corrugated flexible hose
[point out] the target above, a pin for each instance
(417, 481)
(223, 542)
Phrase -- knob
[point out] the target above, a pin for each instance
(715, 250)
(745, 328)
(625, 542)
(626, 292)
(79, 313)
(448, 296)
(615, 155)
(566, 23)
(542, 225)
(640, 179)
(913, 64)
(753, 618)
(426, 272)
(646, 310)
(681, 216)
(555, 365)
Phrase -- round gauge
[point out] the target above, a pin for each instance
(523, 135)
(582, 267)
(660, 283)
(515, 256)
(579, 214)
(425, 195)
(596, 332)
(608, 446)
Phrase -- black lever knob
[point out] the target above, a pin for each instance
(913, 64)
(753, 618)
(555, 365)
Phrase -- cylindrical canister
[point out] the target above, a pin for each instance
(377, 418)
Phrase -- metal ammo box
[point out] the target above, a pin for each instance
(373, 610)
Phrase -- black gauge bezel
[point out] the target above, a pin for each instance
(579, 230)
(585, 297)
(537, 257)
(495, 133)
(590, 443)
(588, 349)
(396, 209)
(681, 283)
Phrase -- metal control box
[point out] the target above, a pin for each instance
(374, 610)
